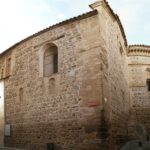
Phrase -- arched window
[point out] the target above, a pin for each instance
(50, 61)
(52, 86)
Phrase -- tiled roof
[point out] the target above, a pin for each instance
(83, 16)
(80, 17)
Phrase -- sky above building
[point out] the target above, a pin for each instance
(22, 18)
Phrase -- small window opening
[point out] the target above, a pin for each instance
(50, 61)
(8, 66)
(123, 95)
(55, 61)
(148, 84)
(140, 144)
(120, 48)
(21, 94)
(52, 86)
(147, 138)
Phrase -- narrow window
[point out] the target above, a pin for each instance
(21, 94)
(55, 62)
(123, 95)
(52, 86)
(148, 84)
(50, 61)
(2, 73)
(121, 49)
(8, 69)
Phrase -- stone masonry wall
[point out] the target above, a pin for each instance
(116, 96)
(67, 111)
(86, 105)
(138, 66)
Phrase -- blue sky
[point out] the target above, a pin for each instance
(21, 18)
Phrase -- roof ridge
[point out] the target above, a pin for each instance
(118, 20)
(73, 19)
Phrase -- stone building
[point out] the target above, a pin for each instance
(139, 84)
(76, 85)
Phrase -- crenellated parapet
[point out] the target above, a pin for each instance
(138, 50)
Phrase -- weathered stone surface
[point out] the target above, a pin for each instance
(138, 66)
(86, 104)
(41, 114)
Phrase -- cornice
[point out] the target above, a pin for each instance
(139, 50)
